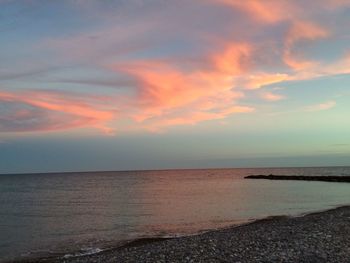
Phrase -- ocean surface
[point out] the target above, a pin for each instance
(70, 214)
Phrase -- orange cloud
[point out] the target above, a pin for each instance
(271, 11)
(305, 30)
(201, 72)
(276, 11)
(233, 60)
(258, 80)
(301, 31)
(199, 116)
(341, 66)
(165, 91)
(165, 96)
(269, 96)
(44, 110)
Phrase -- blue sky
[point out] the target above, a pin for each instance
(118, 85)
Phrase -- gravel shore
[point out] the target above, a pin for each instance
(317, 237)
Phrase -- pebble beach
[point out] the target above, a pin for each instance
(317, 237)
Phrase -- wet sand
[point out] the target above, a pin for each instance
(316, 237)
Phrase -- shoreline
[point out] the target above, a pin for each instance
(188, 248)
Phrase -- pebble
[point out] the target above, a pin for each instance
(322, 237)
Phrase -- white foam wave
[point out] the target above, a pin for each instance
(84, 252)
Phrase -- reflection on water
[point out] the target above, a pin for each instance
(60, 212)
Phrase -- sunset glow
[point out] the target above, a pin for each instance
(262, 76)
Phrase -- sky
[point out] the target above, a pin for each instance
(88, 85)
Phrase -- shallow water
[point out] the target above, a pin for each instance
(77, 213)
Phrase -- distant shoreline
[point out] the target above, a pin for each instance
(320, 236)
(169, 169)
(339, 179)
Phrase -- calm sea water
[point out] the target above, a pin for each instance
(73, 213)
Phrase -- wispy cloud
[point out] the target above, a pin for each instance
(170, 96)
(322, 106)
(168, 65)
(264, 11)
(47, 110)
(301, 31)
(269, 96)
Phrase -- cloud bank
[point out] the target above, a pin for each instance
(168, 65)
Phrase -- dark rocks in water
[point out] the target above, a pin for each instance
(343, 179)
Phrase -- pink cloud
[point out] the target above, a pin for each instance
(166, 94)
(269, 96)
(45, 111)
(277, 11)
(322, 106)
(336, 3)
(340, 66)
(258, 80)
(173, 69)
(301, 31)
(233, 59)
(195, 117)
(271, 11)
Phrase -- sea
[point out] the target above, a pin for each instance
(73, 214)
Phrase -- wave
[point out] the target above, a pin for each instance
(84, 252)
